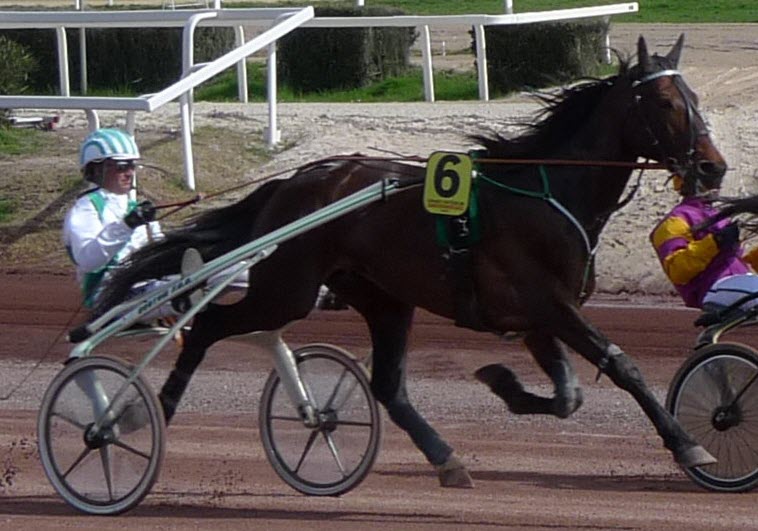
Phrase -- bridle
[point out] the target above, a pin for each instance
(694, 118)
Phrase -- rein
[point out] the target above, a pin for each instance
(180, 205)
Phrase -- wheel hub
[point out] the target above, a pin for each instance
(725, 417)
(95, 439)
(328, 420)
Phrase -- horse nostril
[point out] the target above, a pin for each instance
(711, 169)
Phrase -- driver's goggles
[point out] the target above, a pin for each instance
(124, 165)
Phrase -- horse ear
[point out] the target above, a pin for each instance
(642, 55)
(676, 51)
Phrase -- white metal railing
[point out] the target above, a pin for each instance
(281, 22)
(276, 23)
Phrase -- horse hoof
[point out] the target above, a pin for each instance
(453, 474)
(695, 456)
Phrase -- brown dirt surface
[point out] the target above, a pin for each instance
(603, 468)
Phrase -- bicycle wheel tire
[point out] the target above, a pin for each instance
(714, 396)
(335, 456)
(109, 470)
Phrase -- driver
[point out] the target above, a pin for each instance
(707, 267)
(105, 226)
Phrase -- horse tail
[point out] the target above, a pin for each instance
(212, 233)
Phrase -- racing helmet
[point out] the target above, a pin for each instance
(107, 144)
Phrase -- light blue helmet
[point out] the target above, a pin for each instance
(107, 144)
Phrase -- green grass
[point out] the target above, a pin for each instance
(6, 210)
(463, 86)
(447, 86)
(19, 141)
(651, 11)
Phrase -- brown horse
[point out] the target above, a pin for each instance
(529, 270)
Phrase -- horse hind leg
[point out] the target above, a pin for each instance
(389, 322)
(551, 356)
(388, 383)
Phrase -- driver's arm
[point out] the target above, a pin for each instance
(681, 255)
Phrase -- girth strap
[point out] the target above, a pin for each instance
(458, 234)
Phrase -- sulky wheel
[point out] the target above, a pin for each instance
(101, 437)
(332, 458)
(714, 396)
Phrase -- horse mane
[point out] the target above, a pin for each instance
(564, 111)
(212, 233)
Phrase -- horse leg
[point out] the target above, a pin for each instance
(389, 322)
(262, 309)
(189, 359)
(578, 334)
(551, 356)
(222, 321)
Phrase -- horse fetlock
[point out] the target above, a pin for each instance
(564, 405)
(453, 474)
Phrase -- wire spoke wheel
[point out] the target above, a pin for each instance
(101, 437)
(335, 456)
(714, 396)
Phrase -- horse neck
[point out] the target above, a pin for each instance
(601, 187)
(591, 195)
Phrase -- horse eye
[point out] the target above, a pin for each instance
(666, 105)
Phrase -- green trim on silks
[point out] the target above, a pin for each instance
(93, 279)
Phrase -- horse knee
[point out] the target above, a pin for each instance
(620, 368)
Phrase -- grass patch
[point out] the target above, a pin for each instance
(17, 141)
(651, 11)
(448, 85)
(6, 210)
(126, 91)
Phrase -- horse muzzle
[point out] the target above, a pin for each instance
(707, 167)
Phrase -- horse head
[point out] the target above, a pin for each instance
(669, 126)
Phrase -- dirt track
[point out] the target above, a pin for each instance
(604, 468)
